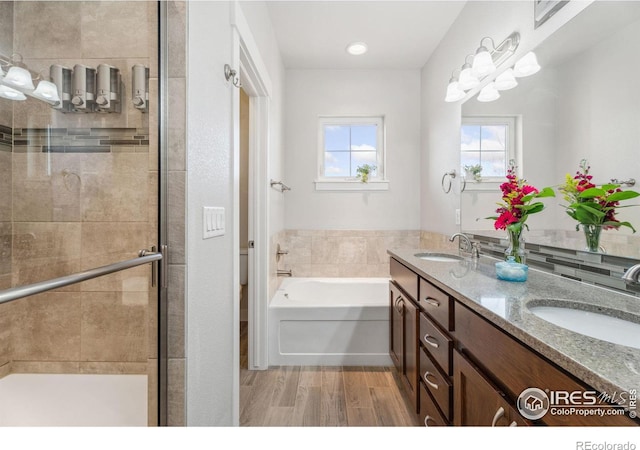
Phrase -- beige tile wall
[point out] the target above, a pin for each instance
(343, 253)
(176, 410)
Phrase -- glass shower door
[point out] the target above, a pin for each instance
(79, 195)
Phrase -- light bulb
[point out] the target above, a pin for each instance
(506, 80)
(454, 93)
(46, 91)
(357, 48)
(527, 65)
(488, 93)
(18, 77)
(467, 78)
(483, 63)
(11, 94)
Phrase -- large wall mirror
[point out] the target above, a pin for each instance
(583, 104)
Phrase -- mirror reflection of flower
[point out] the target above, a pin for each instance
(590, 204)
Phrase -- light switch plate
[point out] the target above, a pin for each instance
(213, 221)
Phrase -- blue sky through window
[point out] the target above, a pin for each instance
(348, 146)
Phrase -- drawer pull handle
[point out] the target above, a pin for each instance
(499, 415)
(513, 424)
(432, 301)
(398, 304)
(427, 419)
(431, 341)
(430, 383)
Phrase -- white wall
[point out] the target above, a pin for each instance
(392, 93)
(212, 315)
(441, 121)
(210, 311)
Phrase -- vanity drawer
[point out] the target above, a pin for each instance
(430, 416)
(438, 344)
(437, 304)
(404, 277)
(437, 384)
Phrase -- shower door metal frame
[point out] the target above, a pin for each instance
(163, 170)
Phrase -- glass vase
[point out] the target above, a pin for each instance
(516, 246)
(592, 236)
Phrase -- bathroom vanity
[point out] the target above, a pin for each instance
(467, 345)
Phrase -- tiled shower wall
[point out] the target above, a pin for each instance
(177, 14)
(84, 190)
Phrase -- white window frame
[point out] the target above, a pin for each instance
(514, 144)
(377, 183)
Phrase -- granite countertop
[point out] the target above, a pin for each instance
(607, 367)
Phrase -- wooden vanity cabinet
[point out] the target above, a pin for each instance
(403, 339)
(460, 368)
(477, 401)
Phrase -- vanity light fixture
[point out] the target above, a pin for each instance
(506, 80)
(17, 77)
(467, 80)
(46, 91)
(489, 93)
(357, 48)
(485, 61)
(454, 92)
(11, 94)
(527, 65)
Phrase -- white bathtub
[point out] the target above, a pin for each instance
(44, 400)
(330, 321)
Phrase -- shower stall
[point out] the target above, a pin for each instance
(83, 192)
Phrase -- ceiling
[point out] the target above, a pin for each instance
(399, 34)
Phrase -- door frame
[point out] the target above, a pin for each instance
(257, 84)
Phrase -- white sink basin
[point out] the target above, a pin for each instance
(600, 326)
(442, 257)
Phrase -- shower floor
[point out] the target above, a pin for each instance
(73, 400)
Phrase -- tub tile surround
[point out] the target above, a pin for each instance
(605, 366)
(342, 253)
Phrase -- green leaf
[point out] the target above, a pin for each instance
(546, 192)
(532, 209)
(593, 192)
(622, 195)
(608, 187)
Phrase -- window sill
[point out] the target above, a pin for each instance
(483, 186)
(328, 185)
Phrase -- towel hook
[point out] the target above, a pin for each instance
(232, 74)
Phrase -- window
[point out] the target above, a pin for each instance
(488, 142)
(345, 144)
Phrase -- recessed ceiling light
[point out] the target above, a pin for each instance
(357, 48)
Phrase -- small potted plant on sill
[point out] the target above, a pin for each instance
(364, 171)
(475, 171)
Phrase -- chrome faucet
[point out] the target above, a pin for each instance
(632, 275)
(466, 244)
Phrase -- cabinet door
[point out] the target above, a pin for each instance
(476, 401)
(411, 356)
(396, 332)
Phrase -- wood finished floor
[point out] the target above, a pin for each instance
(317, 396)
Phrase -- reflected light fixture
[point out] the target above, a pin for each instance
(527, 65)
(454, 92)
(506, 80)
(46, 91)
(357, 48)
(467, 79)
(18, 77)
(11, 94)
(489, 93)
